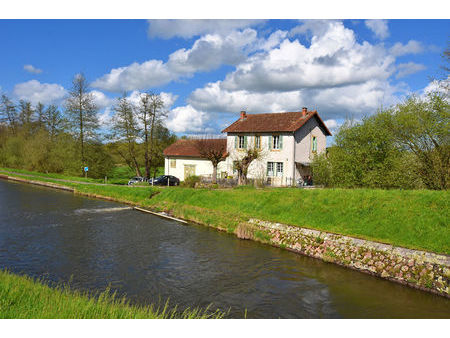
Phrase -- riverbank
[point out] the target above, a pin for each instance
(22, 297)
(408, 219)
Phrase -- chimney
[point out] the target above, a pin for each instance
(304, 111)
(243, 115)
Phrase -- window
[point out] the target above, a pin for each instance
(279, 169)
(258, 142)
(270, 169)
(240, 142)
(274, 169)
(314, 144)
(276, 142)
(173, 163)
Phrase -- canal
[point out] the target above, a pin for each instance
(95, 244)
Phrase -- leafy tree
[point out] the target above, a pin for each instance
(8, 113)
(82, 113)
(421, 126)
(53, 121)
(125, 129)
(151, 112)
(26, 117)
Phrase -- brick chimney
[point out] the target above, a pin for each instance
(243, 115)
(304, 111)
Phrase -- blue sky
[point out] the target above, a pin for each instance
(207, 71)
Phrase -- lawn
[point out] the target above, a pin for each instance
(417, 219)
(24, 297)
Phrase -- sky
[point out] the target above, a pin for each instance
(207, 71)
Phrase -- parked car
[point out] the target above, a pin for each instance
(164, 180)
(136, 179)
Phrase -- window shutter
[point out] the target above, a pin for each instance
(281, 141)
(245, 142)
(270, 142)
(236, 140)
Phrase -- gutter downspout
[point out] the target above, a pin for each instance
(293, 159)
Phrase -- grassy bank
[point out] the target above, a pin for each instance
(417, 219)
(23, 297)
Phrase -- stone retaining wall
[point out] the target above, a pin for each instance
(419, 269)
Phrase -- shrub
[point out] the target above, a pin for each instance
(191, 181)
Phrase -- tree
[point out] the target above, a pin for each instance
(82, 113)
(421, 126)
(125, 129)
(151, 113)
(40, 112)
(53, 121)
(242, 164)
(26, 113)
(8, 113)
(214, 150)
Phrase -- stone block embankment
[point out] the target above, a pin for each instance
(419, 269)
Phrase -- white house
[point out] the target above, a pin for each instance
(288, 142)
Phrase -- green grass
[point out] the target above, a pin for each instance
(24, 297)
(417, 219)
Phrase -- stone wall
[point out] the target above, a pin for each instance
(419, 269)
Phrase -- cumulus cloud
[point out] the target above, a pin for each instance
(334, 58)
(412, 47)
(167, 29)
(35, 92)
(208, 52)
(378, 27)
(187, 119)
(405, 69)
(101, 100)
(32, 69)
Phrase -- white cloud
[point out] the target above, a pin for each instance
(208, 52)
(412, 47)
(334, 58)
(35, 92)
(148, 74)
(378, 27)
(188, 120)
(101, 100)
(405, 69)
(167, 29)
(32, 69)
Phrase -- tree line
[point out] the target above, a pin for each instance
(66, 139)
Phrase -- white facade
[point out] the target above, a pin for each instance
(181, 167)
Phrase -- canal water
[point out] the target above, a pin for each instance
(95, 244)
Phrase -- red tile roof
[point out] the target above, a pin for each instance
(274, 122)
(189, 148)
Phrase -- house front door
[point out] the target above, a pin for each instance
(189, 170)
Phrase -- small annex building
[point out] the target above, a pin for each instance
(183, 159)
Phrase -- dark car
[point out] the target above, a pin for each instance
(136, 179)
(164, 180)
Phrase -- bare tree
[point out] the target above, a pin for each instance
(151, 112)
(242, 164)
(214, 150)
(82, 112)
(125, 129)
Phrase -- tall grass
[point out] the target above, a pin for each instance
(24, 297)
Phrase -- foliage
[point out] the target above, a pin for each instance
(191, 181)
(406, 147)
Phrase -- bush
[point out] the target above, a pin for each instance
(191, 181)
